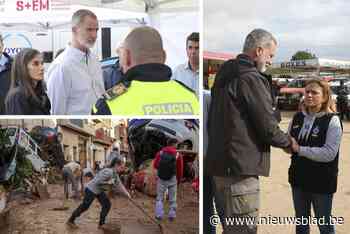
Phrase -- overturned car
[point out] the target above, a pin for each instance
(28, 158)
(147, 137)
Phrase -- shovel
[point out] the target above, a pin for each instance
(147, 215)
(65, 200)
(64, 205)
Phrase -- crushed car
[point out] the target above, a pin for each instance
(29, 158)
(147, 137)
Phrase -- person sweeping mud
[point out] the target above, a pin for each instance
(96, 189)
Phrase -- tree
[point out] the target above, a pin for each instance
(302, 55)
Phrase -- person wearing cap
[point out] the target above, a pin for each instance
(88, 174)
(113, 154)
(96, 189)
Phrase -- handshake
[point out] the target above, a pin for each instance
(293, 147)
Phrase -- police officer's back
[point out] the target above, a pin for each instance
(146, 88)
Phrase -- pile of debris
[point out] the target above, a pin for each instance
(24, 165)
(4, 210)
(147, 137)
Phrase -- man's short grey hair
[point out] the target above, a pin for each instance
(258, 38)
(79, 16)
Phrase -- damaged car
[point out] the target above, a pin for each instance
(147, 137)
(49, 141)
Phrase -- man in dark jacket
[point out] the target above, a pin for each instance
(241, 129)
(342, 104)
(5, 75)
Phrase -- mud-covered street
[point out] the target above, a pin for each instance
(29, 216)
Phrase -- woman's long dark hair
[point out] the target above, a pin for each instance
(20, 77)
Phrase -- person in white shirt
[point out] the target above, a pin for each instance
(74, 79)
(188, 73)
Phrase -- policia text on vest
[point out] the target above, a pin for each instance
(148, 98)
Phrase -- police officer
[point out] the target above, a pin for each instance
(146, 88)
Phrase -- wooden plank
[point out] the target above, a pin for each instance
(42, 191)
(4, 218)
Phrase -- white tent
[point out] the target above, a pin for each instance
(175, 19)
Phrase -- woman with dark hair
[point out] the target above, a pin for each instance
(313, 172)
(27, 95)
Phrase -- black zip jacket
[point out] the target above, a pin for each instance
(19, 104)
(241, 124)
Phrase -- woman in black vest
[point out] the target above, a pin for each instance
(314, 167)
(27, 95)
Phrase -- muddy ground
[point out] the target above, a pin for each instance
(275, 191)
(38, 217)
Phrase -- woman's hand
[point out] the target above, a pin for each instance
(295, 146)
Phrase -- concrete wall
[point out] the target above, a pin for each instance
(100, 152)
(70, 144)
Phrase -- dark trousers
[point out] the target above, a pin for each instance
(208, 206)
(322, 205)
(88, 199)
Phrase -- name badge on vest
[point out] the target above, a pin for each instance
(315, 131)
(295, 126)
(115, 91)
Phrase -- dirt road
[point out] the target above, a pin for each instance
(38, 217)
(276, 198)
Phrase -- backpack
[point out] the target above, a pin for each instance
(167, 166)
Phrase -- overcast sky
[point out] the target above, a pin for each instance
(321, 26)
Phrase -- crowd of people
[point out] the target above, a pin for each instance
(75, 84)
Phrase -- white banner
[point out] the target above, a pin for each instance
(27, 6)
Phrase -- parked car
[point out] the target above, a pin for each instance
(339, 84)
(290, 96)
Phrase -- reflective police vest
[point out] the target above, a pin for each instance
(154, 98)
